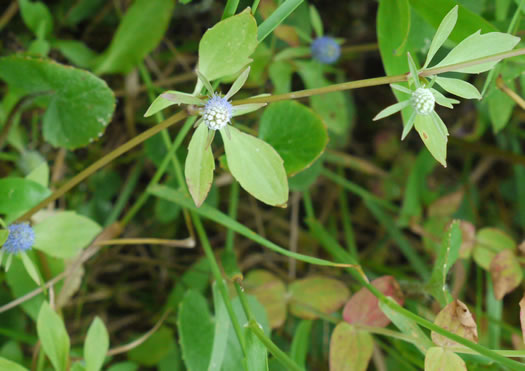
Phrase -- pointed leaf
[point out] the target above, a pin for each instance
(442, 100)
(256, 166)
(363, 306)
(433, 137)
(506, 273)
(478, 46)
(238, 83)
(316, 294)
(407, 326)
(243, 109)
(390, 110)
(170, 98)
(53, 336)
(96, 345)
(315, 20)
(222, 328)
(458, 87)
(31, 269)
(199, 165)
(350, 349)
(408, 126)
(300, 342)
(455, 318)
(442, 33)
(413, 71)
(439, 359)
(448, 255)
(225, 48)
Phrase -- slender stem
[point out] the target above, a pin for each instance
(244, 301)
(274, 349)
(230, 8)
(379, 80)
(218, 278)
(232, 212)
(104, 161)
(511, 93)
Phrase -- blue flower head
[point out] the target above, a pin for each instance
(21, 238)
(217, 112)
(326, 50)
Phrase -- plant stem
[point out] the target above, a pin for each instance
(230, 8)
(218, 278)
(274, 349)
(104, 161)
(232, 212)
(379, 80)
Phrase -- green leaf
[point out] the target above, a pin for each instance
(124, 366)
(37, 17)
(40, 174)
(432, 136)
(8, 365)
(303, 180)
(270, 292)
(390, 110)
(448, 255)
(277, 17)
(438, 359)
(407, 326)
(154, 349)
(443, 32)
(393, 26)
(31, 268)
(96, 345)
(80, 105)
(256, 166)
(300, 342)
(222, 328)
(199, 165)
(315, 294)
(18, 195)
(76, 52)
(140, 31)
(196, 328)
(169, 98)
(500, 109)
(479, 46)
(256, 353)
(238, 83)
(489, 242)
(317, 23)
(53, 337)
(468, 22)
(64, 234)
(4, 234)
(226, 47)
(458, 87)
(296, 133)
(349, 346)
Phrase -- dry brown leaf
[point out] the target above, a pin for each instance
(506, 273)
(455, 318)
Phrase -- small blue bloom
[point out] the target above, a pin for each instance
(326, 50)
(217, 112)
(21, 238)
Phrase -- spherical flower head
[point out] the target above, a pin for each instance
(21, 238)
(217, 112)
(423, 101)
(326, 50)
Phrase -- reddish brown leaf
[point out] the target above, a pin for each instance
(316, 294)
(455, 318)
(350, 349)
(506, 273)
(363, 307)
(270, 292)
(446, 205)
(468, 239)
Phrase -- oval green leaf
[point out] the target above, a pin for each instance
(257, 167)
(64, 234)
(53, 336)
(225, 48)
(270, 292)
(17, 195)
(199, 165)
(296, 133)
(350, 349)
(96, 345)
(80, 105)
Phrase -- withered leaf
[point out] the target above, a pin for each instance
(506, 273)
(455, 318)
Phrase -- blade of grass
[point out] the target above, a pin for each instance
(276, 18)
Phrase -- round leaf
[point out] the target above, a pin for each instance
(490, 241)
(80, 105)
(256, 166)
(270, 292)
(350, 349)
(17, 195)
(296, 133)
(316, 294)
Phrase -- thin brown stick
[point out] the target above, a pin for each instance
(186, 243)
(9, 13)
(511, 93)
